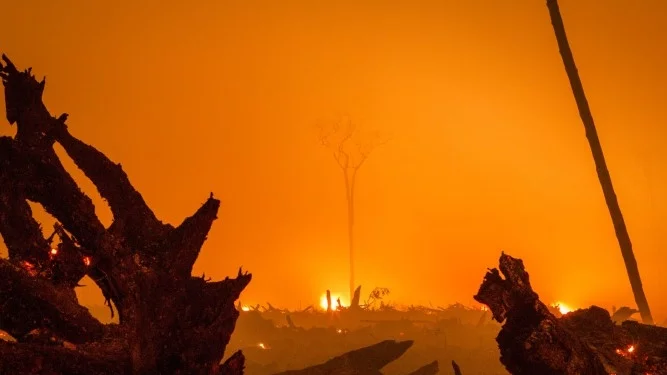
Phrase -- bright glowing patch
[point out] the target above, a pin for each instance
(54, 251)
(334, 301)
(245, 308)
(563, 308)
(627, 352)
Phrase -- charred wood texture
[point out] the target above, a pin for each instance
(533, 341)
(170, 322)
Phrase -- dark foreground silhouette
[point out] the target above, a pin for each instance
(170, 322)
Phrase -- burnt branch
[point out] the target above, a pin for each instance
(368, 360)
(43, 179)
(189, 237)
(130, 211)
(39, 176)
(23, 102)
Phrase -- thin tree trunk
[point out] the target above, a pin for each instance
(349, 189)
(600, 164)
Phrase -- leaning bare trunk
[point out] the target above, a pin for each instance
(600, 164)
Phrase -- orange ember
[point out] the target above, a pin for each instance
(626, 352)
(30, 268)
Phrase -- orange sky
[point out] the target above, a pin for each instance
(488, 151)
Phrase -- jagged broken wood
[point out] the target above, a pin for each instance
(170, 322)
(532, 340)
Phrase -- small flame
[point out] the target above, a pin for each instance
(261, 345)
(245, 308)
(86, 261)
(53, 251)
(339, 330)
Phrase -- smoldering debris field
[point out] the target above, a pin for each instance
(533, 337)
(275, 340)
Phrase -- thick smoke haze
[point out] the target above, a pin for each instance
(487, 151)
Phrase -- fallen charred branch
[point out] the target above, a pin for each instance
(369, 360)
(171, 322)
(532, 340)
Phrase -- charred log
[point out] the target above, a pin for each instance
(368, 361)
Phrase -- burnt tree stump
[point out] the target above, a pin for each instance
(534, 341)
(170, 321)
